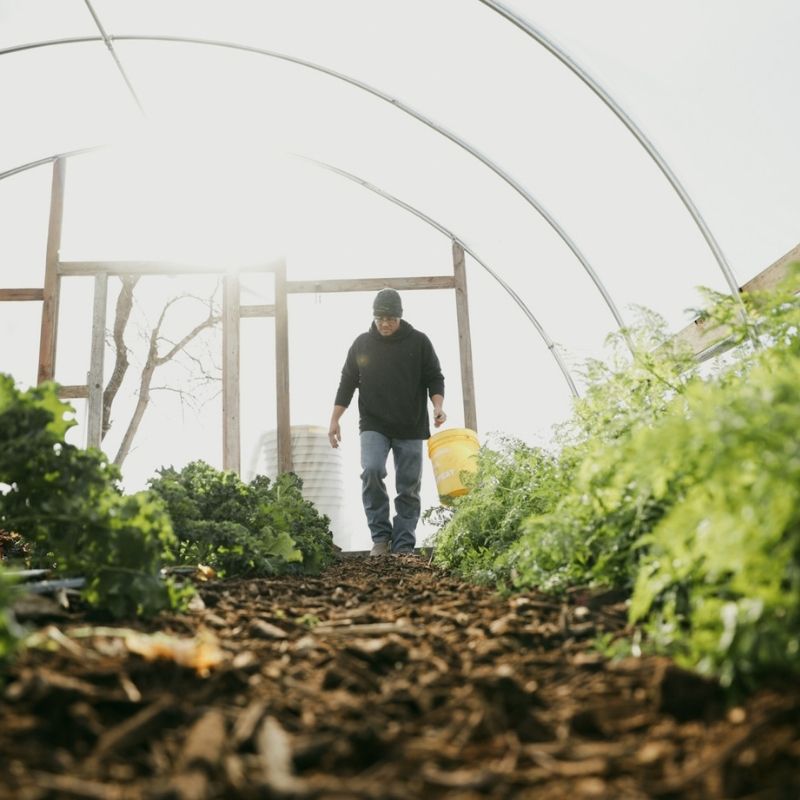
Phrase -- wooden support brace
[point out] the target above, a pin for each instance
(774, 274)
(50, 293)
(231, 444)
(73, 392)
(369, 284)
(21, 294)
(155, 268)
(704, 338)
(256, 311)
(464, 338)
(94, 427)
(282, 372)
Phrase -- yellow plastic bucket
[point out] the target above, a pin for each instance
(452, 452)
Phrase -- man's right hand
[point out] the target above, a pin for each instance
(335, 435)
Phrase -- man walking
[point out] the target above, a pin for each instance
(395, 369)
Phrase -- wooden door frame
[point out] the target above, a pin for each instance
(232, 313)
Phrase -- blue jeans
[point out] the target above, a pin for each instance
(407, 454)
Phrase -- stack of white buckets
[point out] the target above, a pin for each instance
(318, 465)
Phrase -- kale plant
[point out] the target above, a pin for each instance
(256, 528)
(67, 504)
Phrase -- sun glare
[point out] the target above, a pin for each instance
(174, 195)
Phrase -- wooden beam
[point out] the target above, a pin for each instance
(464, 338)
(369, 284)
(94, 425)
(50, 293)
(156, 268)
(73, 392)
(702, 337)
(231, 444)
(774, 274)
(256, 311)
(282, 372)
(21, 294)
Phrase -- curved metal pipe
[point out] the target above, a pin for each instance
(514, 184)
(48, 160)
(649, 147)
(551, 346)
(110, 45)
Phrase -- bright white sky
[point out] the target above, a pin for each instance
(207, 177)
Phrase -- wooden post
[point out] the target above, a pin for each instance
(464, 338)
(94, 381)
(282, 371)
(231, 444)
(52, 280)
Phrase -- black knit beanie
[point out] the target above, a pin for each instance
(387, 304)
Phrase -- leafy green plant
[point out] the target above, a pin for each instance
(627, 391)
(10, 631)
(680, 484)
(256, 528)
(719, 586)
(309, 529)
(67, 504)
(695, 505)
(509, 485)
(585, 532)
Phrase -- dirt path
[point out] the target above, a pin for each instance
(382, 679)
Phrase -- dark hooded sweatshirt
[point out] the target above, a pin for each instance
(394, 376)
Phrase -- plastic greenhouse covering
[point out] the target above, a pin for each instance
(355, 139)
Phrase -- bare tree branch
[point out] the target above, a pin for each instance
(141, 403)
(206, 323)
(201, 369)
(181, 392)
(121, 316)
(186, 398)
(152, 362)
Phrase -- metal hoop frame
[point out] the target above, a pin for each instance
(640, 136)
(493, 166)
(551, 346)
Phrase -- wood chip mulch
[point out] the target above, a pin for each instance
(383, 678)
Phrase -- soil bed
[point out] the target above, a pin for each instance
(383, 678)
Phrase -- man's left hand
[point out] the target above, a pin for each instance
(439, 417)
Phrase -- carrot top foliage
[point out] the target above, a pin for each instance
(679, 483)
